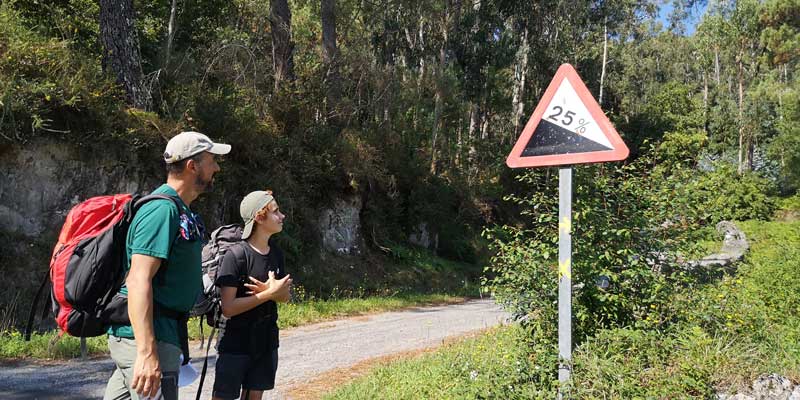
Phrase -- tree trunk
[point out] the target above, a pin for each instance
(520, 73)
(329, 55)
(170, 32)
(439, 84)
(605, 59)
(121, 49)
(280, 21)
(716, 65)
(437, 108)
(705, 101)
(742, 138)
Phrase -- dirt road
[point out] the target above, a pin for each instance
(305, 352)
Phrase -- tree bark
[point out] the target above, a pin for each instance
(605, 58)
(280, 21)
(121, 49)
(170, 32)
(520, 73)
(437, 108)
(705, 101)
(439, 85)
(328, 17)
(742, 138)
(329, 56)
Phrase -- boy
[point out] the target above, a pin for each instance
(252, 279)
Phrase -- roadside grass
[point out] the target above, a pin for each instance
(297, 314)
(726, 334)
(49, 345)
(410, 277)
(493, 365)
(717, 339)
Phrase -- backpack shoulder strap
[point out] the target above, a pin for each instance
(240, 253)
(150, 197)
(144, 199)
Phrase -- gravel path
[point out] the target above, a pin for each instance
(305, 352)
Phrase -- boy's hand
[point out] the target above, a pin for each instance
(272, 289)
(256, 286)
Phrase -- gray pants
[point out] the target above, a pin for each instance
(123, 352)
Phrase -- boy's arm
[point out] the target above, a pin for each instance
(272, 289)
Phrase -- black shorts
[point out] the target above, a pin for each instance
(237, 372)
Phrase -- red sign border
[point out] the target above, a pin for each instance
(566, 71)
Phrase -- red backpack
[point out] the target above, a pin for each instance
(87, 266)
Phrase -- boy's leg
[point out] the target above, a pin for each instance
(230, 372)
(248, 394)
(261, 375)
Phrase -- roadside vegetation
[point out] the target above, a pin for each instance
(412, 277)
(49, 345)
(715, 338)
(410, 112)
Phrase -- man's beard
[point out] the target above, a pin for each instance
(204, 186)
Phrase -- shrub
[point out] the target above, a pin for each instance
(722, 194)
(619, 234)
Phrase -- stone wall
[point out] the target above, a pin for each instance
(340, 227)
(41, 182)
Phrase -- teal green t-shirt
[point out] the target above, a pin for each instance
(160, 230)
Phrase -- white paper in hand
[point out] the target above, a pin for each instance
(187, 374)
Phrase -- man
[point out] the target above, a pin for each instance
(252, 278)
(164, 274)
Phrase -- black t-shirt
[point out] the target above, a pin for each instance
(255, 330)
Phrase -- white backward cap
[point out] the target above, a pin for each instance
(187, 144)
(250, 206)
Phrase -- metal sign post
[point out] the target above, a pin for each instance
(566, 128)
(564, 275)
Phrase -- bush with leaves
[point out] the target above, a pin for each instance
(722, 194)
(619, 234)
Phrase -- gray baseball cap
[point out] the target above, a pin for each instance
(250, 206)
(187, 144)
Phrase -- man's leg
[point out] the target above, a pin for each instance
(169, 358)
(124, 355)
(123, 352)
(116, 389)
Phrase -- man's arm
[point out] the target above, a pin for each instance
(147, 370)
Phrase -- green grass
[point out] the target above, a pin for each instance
(728, 333)
(304, 313)
(49, 345)
(493, 365)
(723, 336)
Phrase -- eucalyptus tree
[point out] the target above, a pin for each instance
(121, 49)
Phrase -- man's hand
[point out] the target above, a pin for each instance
(146, 369)
(272, 289)
(146, 374)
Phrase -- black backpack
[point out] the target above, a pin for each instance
(209, 302)
(223, 239)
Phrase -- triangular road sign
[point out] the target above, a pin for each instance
(567, 127)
